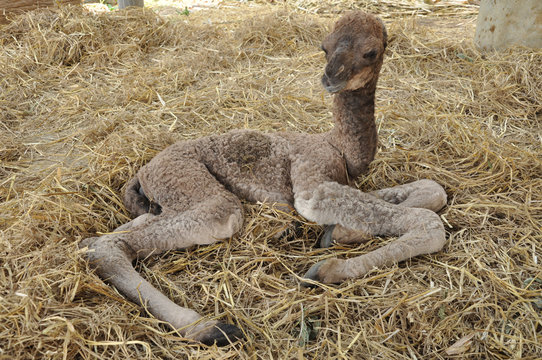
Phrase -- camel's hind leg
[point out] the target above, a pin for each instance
(425, 194)
(216, 215)
(420, 230)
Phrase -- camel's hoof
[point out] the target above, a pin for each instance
(329, 271)
(327, 238)
(222, 334)
(313, 274)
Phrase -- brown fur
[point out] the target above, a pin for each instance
(197, 185)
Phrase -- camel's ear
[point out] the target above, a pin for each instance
(384, 35)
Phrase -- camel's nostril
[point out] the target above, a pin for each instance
(325, 80)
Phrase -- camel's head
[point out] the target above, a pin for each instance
(354, 52)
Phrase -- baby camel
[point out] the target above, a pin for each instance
(189, 193)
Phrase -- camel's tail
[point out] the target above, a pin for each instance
(137, 202)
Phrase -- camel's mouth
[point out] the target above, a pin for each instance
(332, 88)
(356, 82)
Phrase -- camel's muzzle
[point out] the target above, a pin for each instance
(330, 87)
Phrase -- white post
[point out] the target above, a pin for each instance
(126, 3)
(502, 23)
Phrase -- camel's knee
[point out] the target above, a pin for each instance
(228, 224)
(435, 193)
(105, 252)
(425, 193)
(309, 207)
(323, 202)
(429, 228)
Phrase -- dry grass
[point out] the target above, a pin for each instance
(87, 99)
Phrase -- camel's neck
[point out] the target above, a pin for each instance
(354, 133)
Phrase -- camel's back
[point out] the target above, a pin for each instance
(253, 165)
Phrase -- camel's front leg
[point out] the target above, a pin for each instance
(420, 230)
(425, 194)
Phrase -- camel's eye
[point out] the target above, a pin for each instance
(370, 55)
(323, 49)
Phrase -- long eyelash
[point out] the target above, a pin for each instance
(370, 54)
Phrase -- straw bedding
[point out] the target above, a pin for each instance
(86, 99)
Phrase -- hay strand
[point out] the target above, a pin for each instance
(87, 98)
